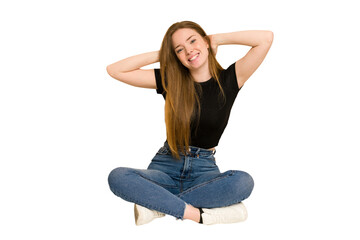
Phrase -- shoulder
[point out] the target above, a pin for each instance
(228, 78)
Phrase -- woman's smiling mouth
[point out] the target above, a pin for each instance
(193, 57)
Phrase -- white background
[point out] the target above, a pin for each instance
(65, 124)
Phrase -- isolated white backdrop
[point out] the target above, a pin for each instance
(65, 124)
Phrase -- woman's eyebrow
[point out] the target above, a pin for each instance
(186, 41)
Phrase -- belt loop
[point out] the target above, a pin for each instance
(197, 152)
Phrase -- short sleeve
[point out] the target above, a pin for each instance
(159, 86)
(229, 79)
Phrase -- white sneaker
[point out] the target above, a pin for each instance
(230, 214)
(144, 215)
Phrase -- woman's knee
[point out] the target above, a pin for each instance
(243, 183)
(118, 178)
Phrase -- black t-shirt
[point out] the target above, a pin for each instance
(214, 111)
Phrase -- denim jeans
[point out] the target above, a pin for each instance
(168, 184)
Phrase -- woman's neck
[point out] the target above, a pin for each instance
(202, 74)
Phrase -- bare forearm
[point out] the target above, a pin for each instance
(135, 62)
(250, 38)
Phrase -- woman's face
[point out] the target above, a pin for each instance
(191, 48)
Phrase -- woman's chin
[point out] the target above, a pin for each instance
(196, 66)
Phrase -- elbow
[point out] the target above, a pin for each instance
(266, 38)
(114, 73)
(110, 70)
(269, 37)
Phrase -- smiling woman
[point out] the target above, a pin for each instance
(186, 58)
(183, 179)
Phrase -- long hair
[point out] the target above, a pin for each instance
(182, 102)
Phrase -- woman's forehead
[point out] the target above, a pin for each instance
(182, 35)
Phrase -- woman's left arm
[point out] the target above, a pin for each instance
(260, 42)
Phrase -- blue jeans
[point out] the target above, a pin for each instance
(169, 184)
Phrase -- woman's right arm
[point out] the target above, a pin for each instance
(128, 70)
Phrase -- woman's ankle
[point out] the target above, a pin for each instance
(192, 213)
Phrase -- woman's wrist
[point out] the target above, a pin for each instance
(213, 43)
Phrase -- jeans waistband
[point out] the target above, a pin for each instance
(194, 150)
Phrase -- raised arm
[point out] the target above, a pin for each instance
(259, 40)
(129, 70)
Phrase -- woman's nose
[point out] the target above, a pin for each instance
(188, 50)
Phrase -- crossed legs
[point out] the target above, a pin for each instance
(156, 190)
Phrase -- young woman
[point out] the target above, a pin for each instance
(183, 179)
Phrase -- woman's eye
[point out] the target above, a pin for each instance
(178, 51)
(192, 41)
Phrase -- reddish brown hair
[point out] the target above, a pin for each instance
(182, 101)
